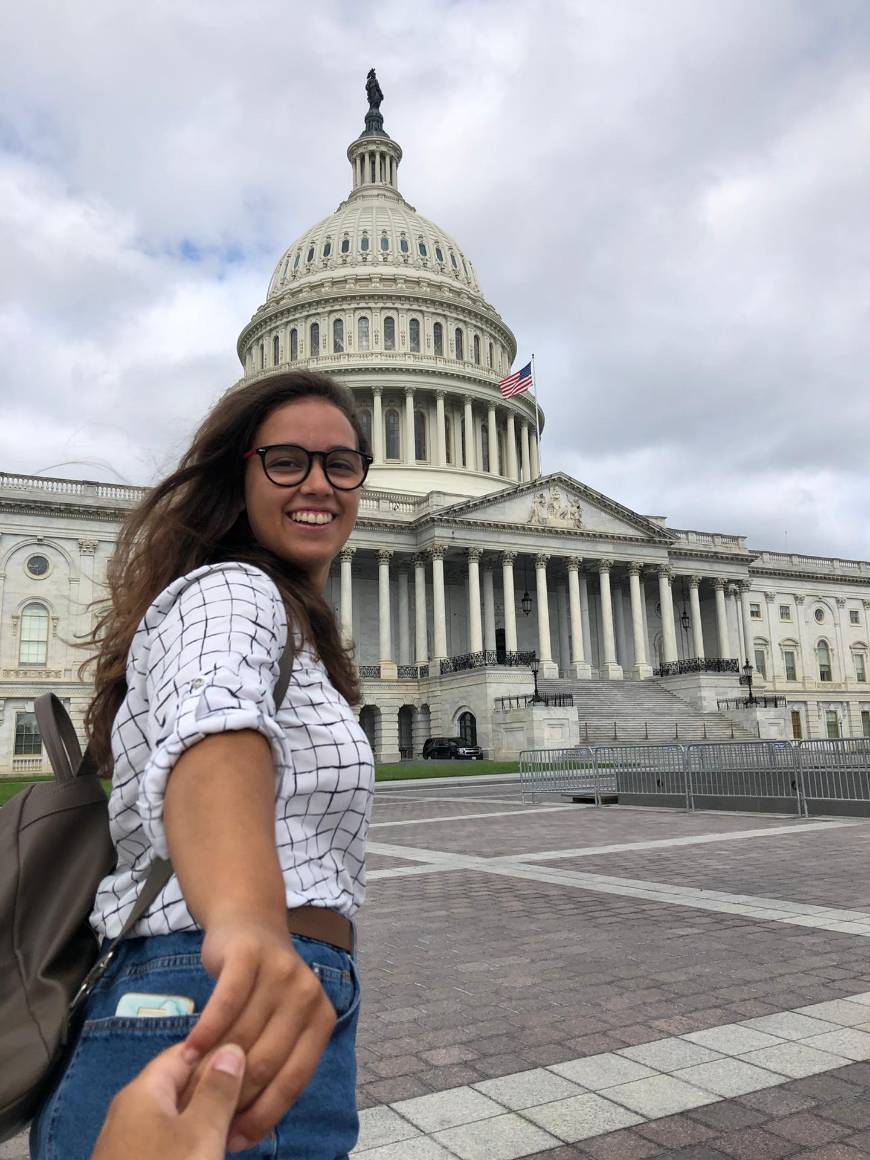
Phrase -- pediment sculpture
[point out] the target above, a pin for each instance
(552, 508)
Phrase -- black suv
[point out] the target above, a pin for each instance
(451, 747)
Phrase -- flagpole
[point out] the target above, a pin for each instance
(537, 418)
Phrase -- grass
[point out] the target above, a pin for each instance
(400, 771)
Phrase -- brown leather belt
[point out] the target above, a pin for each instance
(324, 925)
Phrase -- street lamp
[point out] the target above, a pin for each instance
(534, 665)
(526, 603)
(747, 676)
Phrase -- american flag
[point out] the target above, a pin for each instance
(516, 383)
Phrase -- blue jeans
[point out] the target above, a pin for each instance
(109, 1052)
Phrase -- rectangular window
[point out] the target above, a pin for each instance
(28, 743)
(785, 612)
(832, 724)
(797, 731)
(860, 668)
(760, 666)
(865, 722)
(755, 611)
(854, 617)
(788, 656)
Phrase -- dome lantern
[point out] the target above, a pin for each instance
(374, 157)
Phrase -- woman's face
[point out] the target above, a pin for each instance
(282, 518)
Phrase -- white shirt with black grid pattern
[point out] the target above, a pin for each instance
(205, 660)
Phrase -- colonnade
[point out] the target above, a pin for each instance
(612, 627)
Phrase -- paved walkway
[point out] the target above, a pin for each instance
(556, 981)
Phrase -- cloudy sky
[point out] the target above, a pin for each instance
(667, 200)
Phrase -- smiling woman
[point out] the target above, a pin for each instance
(218, 578)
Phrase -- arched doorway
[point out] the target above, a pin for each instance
(407, 713)
(370, 723)
(468, 727)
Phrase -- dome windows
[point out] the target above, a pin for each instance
(276, 350)
(438, 338)
(362, 333)
(338, 336)
(448, 439)
(364, 242)
(391, 433)
(476, 348)
(365, 422)
(314, 340)
(422, 249)
(420, 436)
(459, 343)
(296, 260)
(490, 355)
(414, 336)
(385, 243)
(439, 254)
(453, 261)
(262, 355)
(403, 244)
(389, 333)
(310, 255)
(327, 248)
(294, 344)
(345, 244)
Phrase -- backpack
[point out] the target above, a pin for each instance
(55, 849)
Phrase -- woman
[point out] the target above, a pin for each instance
(263, 810)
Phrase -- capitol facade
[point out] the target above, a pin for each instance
(466, 563)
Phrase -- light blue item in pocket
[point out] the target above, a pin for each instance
(138, 1005)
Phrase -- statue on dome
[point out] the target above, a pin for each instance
(373, 92)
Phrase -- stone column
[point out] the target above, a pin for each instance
(695, 612)
(475, 635)
(548, 667)
(410, 454)
(345, 557)
(510, 607)
(488, 610)
(440, 430)
(511, 440)
(404, 617)
(748, 631)
(439, 634)
(618, 602)
(377, 426)
(470, 457)
(580, 667)
(721, 618)
(642, 668)
(421, 646)
(584, 617)
(610, 668)
(804, 654)
(524, 451)
(385, 631)
(535, 452)
(564, 658)
(669, 631)
(494, 465)
(738, 624)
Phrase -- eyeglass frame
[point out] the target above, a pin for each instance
(367, 461)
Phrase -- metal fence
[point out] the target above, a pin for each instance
(784, 774)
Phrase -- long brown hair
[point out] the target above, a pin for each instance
(196, 516)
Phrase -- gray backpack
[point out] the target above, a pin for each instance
(55, 849)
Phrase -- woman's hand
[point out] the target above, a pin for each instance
(269, 1001)
(144, 1119)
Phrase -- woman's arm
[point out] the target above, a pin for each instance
(219, 815)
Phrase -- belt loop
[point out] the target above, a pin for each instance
(352, 939)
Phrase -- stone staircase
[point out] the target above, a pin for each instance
(638, 711)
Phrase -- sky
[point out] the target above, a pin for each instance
(666, 200)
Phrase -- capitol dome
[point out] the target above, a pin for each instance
(387, 301)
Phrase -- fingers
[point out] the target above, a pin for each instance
(237, 981)
(215, 1099)
(165, 1077)
(287, 1084)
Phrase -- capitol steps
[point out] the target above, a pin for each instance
(637, 711)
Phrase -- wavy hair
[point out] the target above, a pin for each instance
(196, 516)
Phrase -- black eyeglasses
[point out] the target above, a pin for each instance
(287, 465)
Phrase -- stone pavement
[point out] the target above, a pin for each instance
(556, 981)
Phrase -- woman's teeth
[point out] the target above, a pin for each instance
(312, 517)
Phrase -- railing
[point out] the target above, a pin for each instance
(406, 752)
(484, 659)
(31, 765)
(83, 487)
(768, 701)
(700, 776)
(408, 672)
(557, 700)
(370, 672)
(630, 731)
(826, 564)
(698, 665)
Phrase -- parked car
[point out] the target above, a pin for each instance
(451, 747)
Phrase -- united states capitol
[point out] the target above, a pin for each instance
(467, 564)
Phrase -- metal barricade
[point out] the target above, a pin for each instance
(644, 771)
(557, 771)
(835, 770)
(748, 770)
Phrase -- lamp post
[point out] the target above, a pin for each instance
(747, 676)
(534, 665)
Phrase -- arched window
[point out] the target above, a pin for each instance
(859, 662)
(33, 642)
(314, 340)
(364, 242)
(476, 347)
(327, 247)
(276, 350)
(345, 244)
(365, 421)
(310, 255)
(391, 430)
(460, 346)
(294, 344)
(484, 446)
(448, 438)
(385, 242)
(403, 244)
(453, 260)
(490, 355)
(262, 355)
(468, 728)
(823, 656)
(422, 249)
(389, 333)
(414, 336)
(420, 436)
(438, 338)
(297, 259)
(760, 649)
(337, 336)
(362, 334)
(439, 253)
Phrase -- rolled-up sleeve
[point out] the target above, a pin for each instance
(212, 668)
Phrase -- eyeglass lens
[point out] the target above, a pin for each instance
(289, 464)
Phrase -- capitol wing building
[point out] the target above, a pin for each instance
(466, 564)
